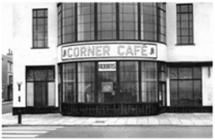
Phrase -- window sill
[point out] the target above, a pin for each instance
(39, 47)
(191, 44)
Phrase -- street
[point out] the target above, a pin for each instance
(145, 131)
(107, 132)
(7, 107)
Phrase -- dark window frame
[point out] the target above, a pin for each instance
(35, 25)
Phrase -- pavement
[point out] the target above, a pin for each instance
(53, 119)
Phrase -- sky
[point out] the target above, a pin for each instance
(6, 27)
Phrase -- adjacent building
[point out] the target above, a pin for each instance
(112, 59)
(7, 76)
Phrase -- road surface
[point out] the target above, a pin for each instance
(107, 132)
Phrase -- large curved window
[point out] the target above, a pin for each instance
(113, 82)
(106, 21)
(111, 21)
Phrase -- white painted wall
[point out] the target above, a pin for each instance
(22, 46)
(24, 55)
(203, 38)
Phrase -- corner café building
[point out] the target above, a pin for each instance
(112, 59)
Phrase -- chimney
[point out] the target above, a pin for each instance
(10, 53)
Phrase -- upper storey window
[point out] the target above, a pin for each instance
(40, 22)
(128, 27)
(111, 21)
(161, 8)
(86, 21)
(68, 29)
(184, 24)
(106, 21)
(148, 21)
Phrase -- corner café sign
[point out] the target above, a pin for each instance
(109, 50)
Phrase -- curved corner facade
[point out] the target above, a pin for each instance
(113, 59)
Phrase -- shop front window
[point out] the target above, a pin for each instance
(185, 86)
(112, 82)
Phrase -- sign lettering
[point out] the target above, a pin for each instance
(109, 50)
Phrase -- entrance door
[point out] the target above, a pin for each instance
(40, 94)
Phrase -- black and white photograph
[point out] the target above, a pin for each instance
(107, 69)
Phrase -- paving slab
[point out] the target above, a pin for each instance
(199, 119)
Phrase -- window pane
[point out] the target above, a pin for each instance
(86, 80)
(129, 86)
(69, 83)
(68, 21)
(185, 93)
(149, 81)
(40, 75)
(197, 92)
(148, 21)
(185, 73)
(85, 21)
(51, 93)
(30, 94)
(128, 20)
(30, 75)
(197, 73)
(173, 93)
